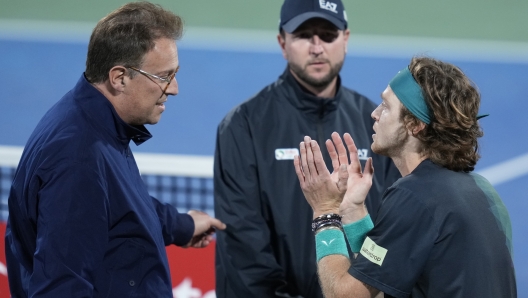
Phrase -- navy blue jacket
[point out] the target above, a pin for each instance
(81, 222)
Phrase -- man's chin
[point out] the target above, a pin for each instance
(378, 150)
(318, 81)
(153, 120)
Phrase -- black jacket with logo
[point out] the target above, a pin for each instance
(268, 248)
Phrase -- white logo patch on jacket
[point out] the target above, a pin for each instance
(363, 154)
(286, 153)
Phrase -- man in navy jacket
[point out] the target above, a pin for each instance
(263, 253)
(81, 221)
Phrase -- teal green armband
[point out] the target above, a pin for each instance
(330, 242)
(357, 231)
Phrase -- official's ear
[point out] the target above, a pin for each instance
(117, 78)
(346, 35)
(281, 38)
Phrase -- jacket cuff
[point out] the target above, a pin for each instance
(184, 229)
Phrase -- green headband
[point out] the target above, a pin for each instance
(410, 94)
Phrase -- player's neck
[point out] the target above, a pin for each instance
(406, 164)
(408, 156)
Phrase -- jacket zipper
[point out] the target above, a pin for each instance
(320, 134)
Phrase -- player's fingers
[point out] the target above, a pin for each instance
(333, 155)
(298, 169)
(342, 176)
(319, 163)
(369, 169)
(304, 161)
(340, 147)
(310, 157)
(355, 165)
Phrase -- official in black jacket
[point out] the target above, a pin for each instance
(262, 253)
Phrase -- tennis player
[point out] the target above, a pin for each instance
(441, 230)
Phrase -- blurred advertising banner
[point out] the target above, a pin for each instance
(192, 270)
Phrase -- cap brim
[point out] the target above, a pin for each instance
(294, 23)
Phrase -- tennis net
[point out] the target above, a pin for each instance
(184, 181)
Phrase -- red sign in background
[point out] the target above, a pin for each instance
(192, 270)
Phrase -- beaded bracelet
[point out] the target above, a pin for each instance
(328, 224)
(325, 220)
(327, 216)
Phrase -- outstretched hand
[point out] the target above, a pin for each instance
(323, 191)
(204, 228)
(344, 191)
(358, 184)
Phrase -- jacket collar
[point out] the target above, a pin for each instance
(305, 101)
(103, 114)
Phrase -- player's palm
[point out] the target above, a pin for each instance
(359, 181)
(355, 183)
(319, 187)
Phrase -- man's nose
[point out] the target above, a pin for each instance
(173, 87)
(316, 45)
(375, 113)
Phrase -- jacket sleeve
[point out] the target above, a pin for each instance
(72, 231)
(245, 262)
(177, 228)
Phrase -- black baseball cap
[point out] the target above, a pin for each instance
(296, 12)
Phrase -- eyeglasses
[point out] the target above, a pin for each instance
(167, 79)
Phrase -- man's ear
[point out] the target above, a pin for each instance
(346, 35)
(117, 78)
(415, 128)
(282, 43)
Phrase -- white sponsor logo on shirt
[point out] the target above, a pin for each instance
(373, 252)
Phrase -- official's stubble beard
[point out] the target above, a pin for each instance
(313, 82)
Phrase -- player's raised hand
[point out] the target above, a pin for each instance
(321, 190)
(358, 184)
(339, 157)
